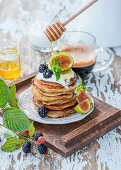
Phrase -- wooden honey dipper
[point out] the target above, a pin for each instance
(55, 30)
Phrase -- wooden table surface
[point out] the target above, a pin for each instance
(16, 17)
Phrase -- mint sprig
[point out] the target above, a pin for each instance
(12, 144)
(80, 86)
(4, 94)
(14, 119)
(31, 129)
(56, 69)
(9, 135)
(13, 101)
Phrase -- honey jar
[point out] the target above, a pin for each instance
(10, 67)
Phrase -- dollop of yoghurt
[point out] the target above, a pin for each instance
(64, 78)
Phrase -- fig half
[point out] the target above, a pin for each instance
(81, 96)
(83, 107)
(65, 60)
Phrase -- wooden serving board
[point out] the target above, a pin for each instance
(66, 139)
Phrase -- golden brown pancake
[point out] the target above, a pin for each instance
(55, 84)
(55, 106)
(59, 101)
(53, 89)
(53, 94)
(36, 102)
(43, 98)
(61, 113)
(58, 113)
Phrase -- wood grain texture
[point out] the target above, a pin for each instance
(65, 140)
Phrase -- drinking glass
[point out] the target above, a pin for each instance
(103, 56)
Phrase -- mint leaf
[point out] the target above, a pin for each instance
(4, 94)
(13, 101)
(31, 129)
(56, 69)
(57, 74)
(12, 144)
(8, 135)
(80, 86)
(57, 52)
(15, 119)
(80, 81)
(84, 88)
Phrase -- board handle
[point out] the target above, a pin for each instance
(94, 124)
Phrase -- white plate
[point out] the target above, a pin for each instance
(25, 104)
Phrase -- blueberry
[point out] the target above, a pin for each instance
(42, 67)
(26, 147)
(37, 135)
(47, 73)
(43, 111)
(42, 148)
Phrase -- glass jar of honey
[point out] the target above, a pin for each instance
(10, 67)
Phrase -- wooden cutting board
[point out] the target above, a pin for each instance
(66, 139)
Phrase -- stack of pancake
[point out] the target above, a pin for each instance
(59, 101)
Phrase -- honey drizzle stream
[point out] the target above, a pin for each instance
(52, 50)
(44, 58)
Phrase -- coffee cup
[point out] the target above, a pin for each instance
(87, 56)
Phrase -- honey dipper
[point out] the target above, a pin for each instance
(54, 31)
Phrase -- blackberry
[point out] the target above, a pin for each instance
(42, 67)
(42, 148)
(47, 73)
(37, 135)
(43, 111)
(26, 147)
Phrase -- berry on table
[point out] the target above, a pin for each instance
(26, 132)
(42, 148)
(43, 111)
(46, 152)
(41, 139)
(42, 67)
(26, 147)
(37, 135)
(47, 73)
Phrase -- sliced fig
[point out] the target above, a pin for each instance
(65, 60)
(81, 96)
(83, 107)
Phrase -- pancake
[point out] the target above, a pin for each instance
(55, 84)
(53, 94)
(59, 101)
(61, 106)
(43, 98)
(59, 113)
(58, 98)
(54, 89)
(36, 102)
(55, 106)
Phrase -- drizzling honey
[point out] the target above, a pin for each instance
(52, 50)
